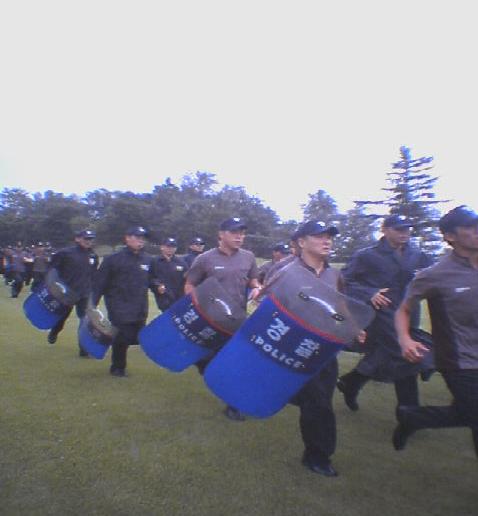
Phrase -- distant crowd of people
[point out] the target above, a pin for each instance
(391, 276)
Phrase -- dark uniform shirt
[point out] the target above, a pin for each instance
(233, 271)
(190, 257)
(123, 279)
(170, 273)
(369, 270)
(451, 288)
(17, 260)
(76, 267)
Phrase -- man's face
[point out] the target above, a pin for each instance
(232, 239)
(277, 256)
(85, 243)
(464, 238)
(135, 243)
(167, 251)
(197, 248)
(397, 237)
(317, 246)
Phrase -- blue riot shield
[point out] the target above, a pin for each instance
(49, 302)
(193, 328)
(96, 333)
(300, 325)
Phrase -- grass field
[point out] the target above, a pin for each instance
(76, 441)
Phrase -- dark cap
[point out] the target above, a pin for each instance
(397, 221)
(232, 224)
(314, 227)
(196, 241)
(461, 216)
(86, 233)
(282, 248)
(169, 242)
(138, 231)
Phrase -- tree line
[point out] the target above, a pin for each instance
(196, 206)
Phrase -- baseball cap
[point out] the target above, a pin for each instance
(461, 216)
(232, 224)
(197, 241)
(282, 248)
(137, 231)
(170, 242)
(397, 221)
(86, 233)
(315, 227)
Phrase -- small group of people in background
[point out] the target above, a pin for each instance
(391, 276)
(22, 265)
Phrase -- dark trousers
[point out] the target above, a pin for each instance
(38, 278)
(463, 411)
(80, 308)
(406, 389)
(17, 284)
(317, 418)
(127, 336)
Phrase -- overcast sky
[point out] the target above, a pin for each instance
(281, 97)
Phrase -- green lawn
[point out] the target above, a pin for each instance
(74, 440)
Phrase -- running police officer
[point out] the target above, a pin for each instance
(41, 262)
(17, 263)
(170, 272)
(379, 276)
(123, 279)
(451, 289)
(76, 266)
(233, 267)
(317, 419)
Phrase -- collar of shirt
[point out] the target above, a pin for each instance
(463, 260)
(311, 269)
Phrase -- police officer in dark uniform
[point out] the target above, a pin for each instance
(17, 259)
(379, 275)
(41, 262)
(123, 279)
(170, 271)
(196, 247)
(29, 259)
(76, 266)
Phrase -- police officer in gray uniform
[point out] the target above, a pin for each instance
(451, 289)
(234, 268)
(317, 418)
(279, 251)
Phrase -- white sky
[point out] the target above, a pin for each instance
(281, 97)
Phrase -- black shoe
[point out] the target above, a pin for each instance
(327, 470)
(121, 373)
(52, 336)
(349, 398)
(83, 354)
(234, 414)
(403, 430)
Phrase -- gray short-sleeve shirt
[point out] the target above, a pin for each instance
(451, 289)
(233, 271)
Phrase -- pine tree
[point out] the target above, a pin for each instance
(411, 194)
